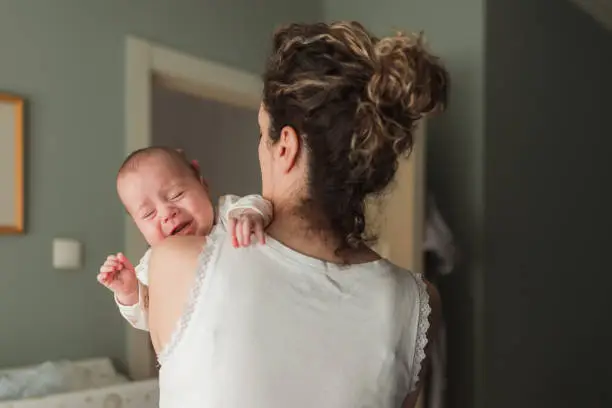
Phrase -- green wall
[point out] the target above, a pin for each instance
(548, 196)
(67, 58)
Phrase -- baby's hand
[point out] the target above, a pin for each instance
(118, 275)
(243, 224)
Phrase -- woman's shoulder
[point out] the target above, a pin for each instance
(177, 253)
(172, 271)
(401, 276)
(178, 242)
(177, 245)
(415, 289)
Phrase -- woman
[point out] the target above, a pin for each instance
(314, 318)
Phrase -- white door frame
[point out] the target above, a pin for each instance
(187, 74)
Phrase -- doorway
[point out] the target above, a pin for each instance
(223, 138)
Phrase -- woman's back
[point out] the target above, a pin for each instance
(269, 327)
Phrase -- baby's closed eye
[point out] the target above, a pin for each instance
(177, 195)
(147, 214)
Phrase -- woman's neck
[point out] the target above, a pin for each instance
(295, 232)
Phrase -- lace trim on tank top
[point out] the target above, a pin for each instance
(422, 328)
(192, 302)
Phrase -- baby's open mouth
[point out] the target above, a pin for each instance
(179, 228)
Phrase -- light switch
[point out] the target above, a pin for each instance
(67, 253)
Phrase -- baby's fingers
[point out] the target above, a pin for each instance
(125, 263)
(259, 233)
(105, 278)
(113, 262)
(246, 227)
(107, 268)
(232, 229)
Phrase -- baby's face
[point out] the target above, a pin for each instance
(165, 199)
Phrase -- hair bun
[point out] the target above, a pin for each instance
(407, 83)
(407, 74)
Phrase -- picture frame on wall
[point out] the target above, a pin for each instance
(11, 164)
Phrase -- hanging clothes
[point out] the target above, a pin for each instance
(438, 240)
(440, 258)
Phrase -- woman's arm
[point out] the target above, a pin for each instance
(172, 271)
(434, 323)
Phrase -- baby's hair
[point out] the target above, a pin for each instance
(133, 161)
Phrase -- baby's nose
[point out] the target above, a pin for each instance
(169, 214)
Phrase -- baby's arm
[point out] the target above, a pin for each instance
(245, 216)
(136, 314)
(129, 287)
(254, 204)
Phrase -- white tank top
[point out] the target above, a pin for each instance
(268, 327)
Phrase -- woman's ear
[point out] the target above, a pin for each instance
(288, 148)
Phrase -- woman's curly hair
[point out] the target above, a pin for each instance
(354, 100)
